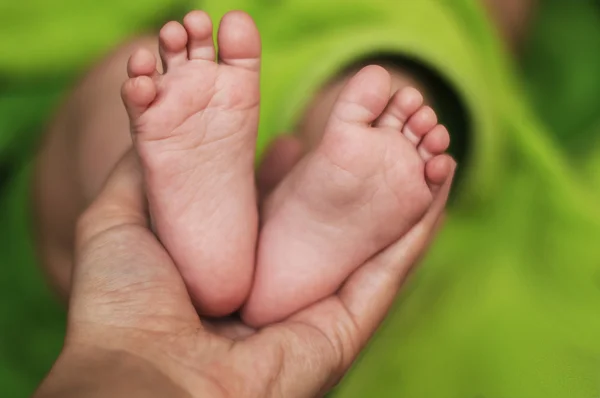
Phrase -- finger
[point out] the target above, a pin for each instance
(370, 291)
(280, 158)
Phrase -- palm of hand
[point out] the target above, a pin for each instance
(157, 320)
(128, 297)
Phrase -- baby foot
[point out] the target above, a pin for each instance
(194, 127)
(371, 178)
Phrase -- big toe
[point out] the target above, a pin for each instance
(364, 97)
(239, 41)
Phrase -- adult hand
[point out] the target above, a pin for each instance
(133, 331)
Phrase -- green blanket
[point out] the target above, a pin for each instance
(506, 303)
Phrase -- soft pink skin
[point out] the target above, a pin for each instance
(369, 181)
(194, 128)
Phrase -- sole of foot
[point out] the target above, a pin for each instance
(372, 177)
(194, 128)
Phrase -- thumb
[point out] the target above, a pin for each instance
(121, 202)
(123, 277)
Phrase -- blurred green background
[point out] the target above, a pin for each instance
(507, 302)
